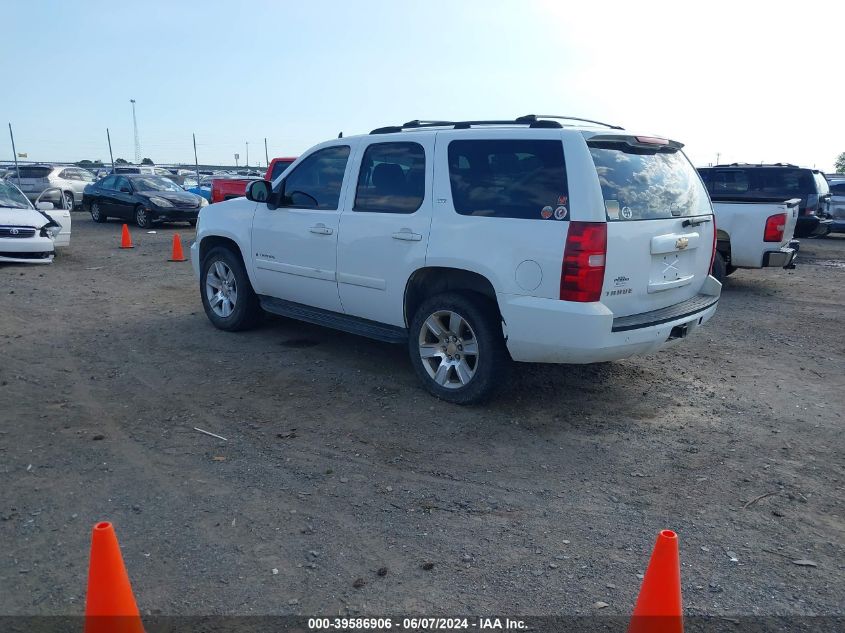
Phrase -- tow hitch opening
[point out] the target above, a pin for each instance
(679, 331)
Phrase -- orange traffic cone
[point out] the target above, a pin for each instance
(125, 240)
(109, 605)
(177, 256)
(658, 608)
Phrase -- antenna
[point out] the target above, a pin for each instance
(137, 140)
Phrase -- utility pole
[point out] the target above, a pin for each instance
(108, 136)
(15, 153)
(718, 154)
(196, 160)
(137, 140)
(266, 155)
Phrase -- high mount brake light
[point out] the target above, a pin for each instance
(584, 256)
(652, 140)
(775, 227)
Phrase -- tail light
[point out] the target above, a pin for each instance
(713, 253)
(582, 273)
(775, 226)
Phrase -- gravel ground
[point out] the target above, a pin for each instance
(338, 467)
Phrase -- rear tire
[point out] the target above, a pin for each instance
(69, 203)
(457, 347)
(227, 295)
(719, 267)
(97, 212)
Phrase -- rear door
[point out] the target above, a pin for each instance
(384, 228)
(659, 223)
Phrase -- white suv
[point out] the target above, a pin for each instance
(473, 243)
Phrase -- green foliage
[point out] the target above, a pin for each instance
(121, 161)
(840, 163)
(147, 161)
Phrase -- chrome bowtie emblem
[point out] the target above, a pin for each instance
(681, 243)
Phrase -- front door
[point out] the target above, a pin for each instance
(122, 200)
(384, 228)
(294, 245)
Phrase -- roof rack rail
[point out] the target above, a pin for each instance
(464, 125)
(538, 117)
(755, 165)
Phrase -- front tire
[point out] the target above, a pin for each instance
(227, 295)
(457, 348)
(143, 217)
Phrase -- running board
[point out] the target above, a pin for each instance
(334, 320)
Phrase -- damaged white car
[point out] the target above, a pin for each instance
(28, 234)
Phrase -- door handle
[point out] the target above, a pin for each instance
(407, 235)
(321, 229)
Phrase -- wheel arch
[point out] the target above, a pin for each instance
(431, 280)
(212, 241)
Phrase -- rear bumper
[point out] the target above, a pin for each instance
(783, 258)
(551, 331)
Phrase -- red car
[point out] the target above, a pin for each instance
(228, 188)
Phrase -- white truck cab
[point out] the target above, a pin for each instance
(541, 239)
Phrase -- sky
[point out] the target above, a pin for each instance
(740, 81)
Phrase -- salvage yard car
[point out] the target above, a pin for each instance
(473, 243)
(34, 179)
(743, 182)
(142, 199)
(27, 234)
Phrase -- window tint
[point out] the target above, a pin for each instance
(278, 168)
(34, 172)
(761, 183)
(507, 178)
(108, 182)
(647, 184)
(392, 178)
(317, 180)
(85, 175)
(121, 183)
(735, 181)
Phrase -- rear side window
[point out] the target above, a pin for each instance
(35, 172)
(762, 183)
(821, 183)
(316, 182)
(392, 178)
(509, 178)
(647, 184)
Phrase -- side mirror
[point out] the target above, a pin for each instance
(259, 191)
(44, 206)
(125, 190)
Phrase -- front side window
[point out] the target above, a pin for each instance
(392, 178)
(316, 182)
(508, 178)
(647, 184)
(122, 183)
(109, 182)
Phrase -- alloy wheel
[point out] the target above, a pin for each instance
(448, 349)
(221, 289)
(95, 212)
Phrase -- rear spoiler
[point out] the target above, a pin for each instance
(653, 143)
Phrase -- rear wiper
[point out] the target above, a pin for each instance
(696, 221)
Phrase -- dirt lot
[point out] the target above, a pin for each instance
(337, 464)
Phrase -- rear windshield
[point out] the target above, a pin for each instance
(761, 183)
(35, 172)
(647, 184)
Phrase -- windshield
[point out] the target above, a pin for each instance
(11, 197)
(155, 183)
(645, 184)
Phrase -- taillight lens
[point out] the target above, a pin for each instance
(582, 273)
(775, 226)
(713, 253)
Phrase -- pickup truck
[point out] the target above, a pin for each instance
(754, 235)
(228, 188)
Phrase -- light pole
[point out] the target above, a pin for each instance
(137, 141)
(247, 154)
